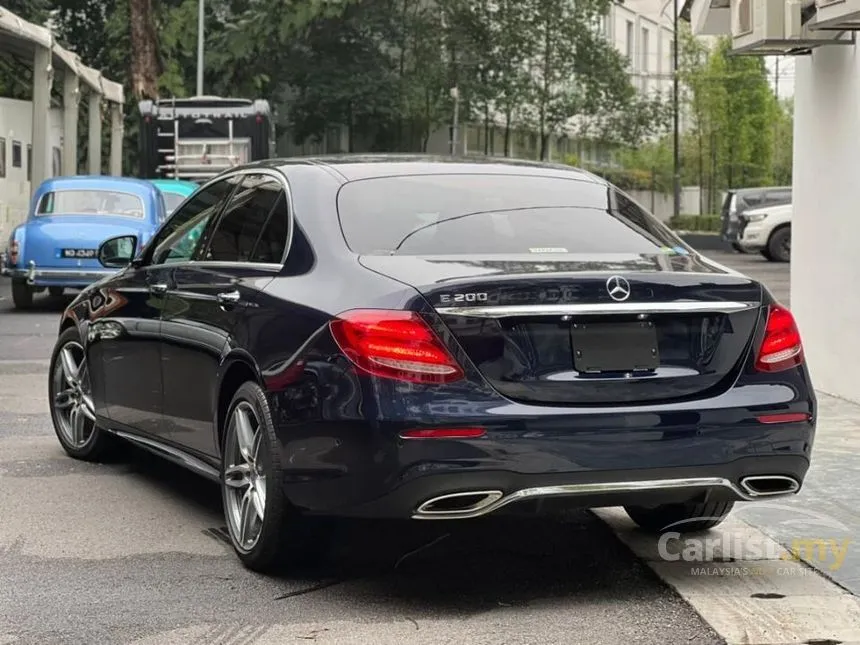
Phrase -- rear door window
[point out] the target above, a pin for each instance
(254, 225)
(494, 213)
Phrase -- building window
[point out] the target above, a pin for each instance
(2, 157)
(16, 154)
(29, 162)
(628, 46)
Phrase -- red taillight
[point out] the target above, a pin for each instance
(781, 348)
(259, 118)
(13, 253)
(394, 344)
(784, 417)
(443, 433)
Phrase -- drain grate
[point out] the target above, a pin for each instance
(219, 534)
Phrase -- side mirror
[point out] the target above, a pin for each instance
(117, 252)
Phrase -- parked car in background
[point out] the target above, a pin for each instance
(435, 339)
(768, 231)
(69, 217)
(175, 191)
(739, 200)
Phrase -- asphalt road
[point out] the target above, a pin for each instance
(133, 552)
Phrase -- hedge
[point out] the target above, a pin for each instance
(703, 223)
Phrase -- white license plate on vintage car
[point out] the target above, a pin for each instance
(77, 253)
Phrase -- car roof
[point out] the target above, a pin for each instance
(98, 182)
(351, 167)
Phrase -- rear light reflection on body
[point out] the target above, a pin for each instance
(394, 344)
(443, 433)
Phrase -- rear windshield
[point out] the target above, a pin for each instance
(97, 202)
(487, 214)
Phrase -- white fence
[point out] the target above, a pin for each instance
(662, 204)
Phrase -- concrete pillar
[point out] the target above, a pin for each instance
(825, 226)
(42, 81)
(94, 155)
(116, 139)
(71, 96)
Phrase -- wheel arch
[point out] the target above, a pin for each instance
(777, 228)
(236, 368)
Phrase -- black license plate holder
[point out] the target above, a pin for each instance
(78, 254)
(614, 347)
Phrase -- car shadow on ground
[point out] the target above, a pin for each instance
(42, 303)
(444, 567)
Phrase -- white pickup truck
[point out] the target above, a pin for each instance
(768, 231)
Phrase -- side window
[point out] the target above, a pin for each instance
(254, 225)
(180, 236)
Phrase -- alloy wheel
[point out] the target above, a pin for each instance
(73, 402)
(244, 476)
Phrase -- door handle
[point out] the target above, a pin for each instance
(228, 298)
(158, 288)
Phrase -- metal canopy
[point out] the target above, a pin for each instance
(20, 37)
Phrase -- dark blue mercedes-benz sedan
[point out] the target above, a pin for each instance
(436, 339)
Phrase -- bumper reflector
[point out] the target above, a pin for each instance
(787, 417)
(443, 433)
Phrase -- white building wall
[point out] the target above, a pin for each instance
(825, 222)
(16, 121)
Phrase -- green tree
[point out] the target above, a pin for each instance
(575, 71)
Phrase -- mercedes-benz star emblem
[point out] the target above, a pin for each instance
(618, 288)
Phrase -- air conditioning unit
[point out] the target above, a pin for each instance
(777, 28)
(755, 21)
(841, 15)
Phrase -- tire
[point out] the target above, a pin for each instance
(779, 245)
(766, 254)
(283, 539)
(56, 292)
(22, 295)
(683, 518)
(72, 412)
(737, 247)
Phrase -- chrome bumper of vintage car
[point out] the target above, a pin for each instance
(32, 273)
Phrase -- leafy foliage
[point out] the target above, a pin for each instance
(739, 133)
(383, 70)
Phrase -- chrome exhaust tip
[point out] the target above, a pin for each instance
(769, 485)
(454, 505)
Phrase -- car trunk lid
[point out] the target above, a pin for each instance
(591, 330)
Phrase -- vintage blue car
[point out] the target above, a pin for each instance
(55, 248)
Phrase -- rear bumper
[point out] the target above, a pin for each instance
(558, 466)
(55, 277)
(515, 492)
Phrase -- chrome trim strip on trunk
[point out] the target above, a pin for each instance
(603, 488)
(596, 309)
